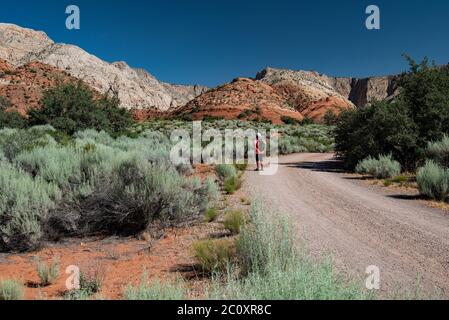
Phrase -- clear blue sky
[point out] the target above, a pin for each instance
(210, 41)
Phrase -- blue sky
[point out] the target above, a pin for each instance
(210, 41)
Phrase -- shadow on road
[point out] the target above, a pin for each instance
(321, 166)
(407, 196)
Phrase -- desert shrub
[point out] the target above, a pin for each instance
(211, 214)
(212, 189)
(226, 171)
(53, 163)
(156, 290)
(274, 269)
(214, 255)
(71, 107)
(90, 282)
(15, 141)
(439, 151)
(234, 221)
(232, 184)
(48, 273)
(433, 181)
(11, 290)
(135, 195)
(381, 168)
(93, 184)
(24, 205)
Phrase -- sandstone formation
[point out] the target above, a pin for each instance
(358, 91)
(244, 99)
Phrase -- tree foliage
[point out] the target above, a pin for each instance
(402, 127)
(72, 107)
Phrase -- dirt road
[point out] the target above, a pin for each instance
(358, 224)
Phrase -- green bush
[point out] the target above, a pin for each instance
(381, 168)
(433, 181)
(71, 107)
(381, 128)
(439, 151)
(211, 214)
(48, 274)
(232, 184)
(214, 255)
(234, 221)
(156, 290)
(226, 171)
(11, 290)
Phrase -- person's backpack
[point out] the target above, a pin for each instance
(262, 145)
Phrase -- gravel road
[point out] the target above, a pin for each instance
(357, 224)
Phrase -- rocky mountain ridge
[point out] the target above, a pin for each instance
(359, 91)
(136, 88)
(271, 95)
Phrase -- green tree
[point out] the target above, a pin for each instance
(381, 128)
(402, 127)
(425, 92)
(72, 107)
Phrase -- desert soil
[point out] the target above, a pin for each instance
(359, 224)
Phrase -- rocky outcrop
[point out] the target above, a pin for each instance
(136, 88)
(358, 91)
(244, 99)
(308, 92)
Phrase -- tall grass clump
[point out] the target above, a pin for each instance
(382, 167)
(156, 290)
(433, 181)
(439, 151)
(48, 273)
(275, 269)
(11, 290)
(214, 255)
(211, 215)
(234, 221)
